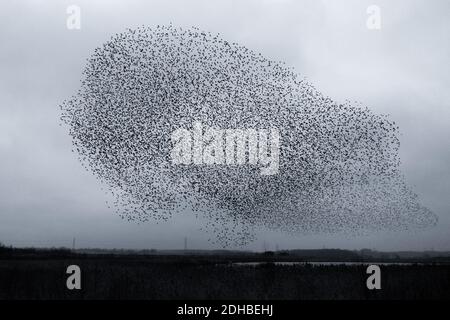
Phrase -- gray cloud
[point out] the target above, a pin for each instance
(46, 197)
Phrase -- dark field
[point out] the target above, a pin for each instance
(181, 277)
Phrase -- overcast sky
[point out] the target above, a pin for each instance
(47, 197)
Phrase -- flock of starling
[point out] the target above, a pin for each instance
(338, 162)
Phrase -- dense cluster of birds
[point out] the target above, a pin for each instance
(338, 162)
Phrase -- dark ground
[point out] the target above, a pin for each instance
(42, 275)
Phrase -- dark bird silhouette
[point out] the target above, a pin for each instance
(339, 162)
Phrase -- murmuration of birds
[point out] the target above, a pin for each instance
(339, 165)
